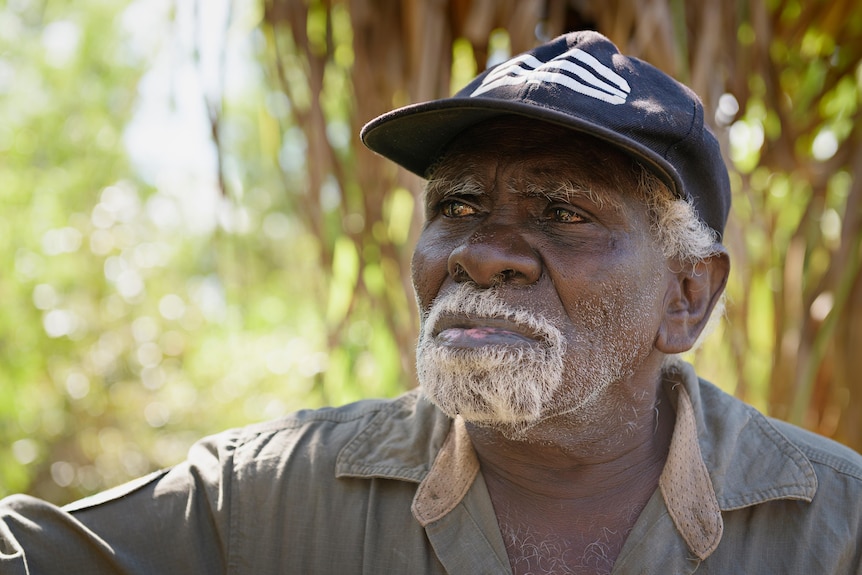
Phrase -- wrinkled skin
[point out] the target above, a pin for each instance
(586, 463)
(585, 263)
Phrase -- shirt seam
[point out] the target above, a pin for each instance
(234, 557)
(304, 417)
(836, 464)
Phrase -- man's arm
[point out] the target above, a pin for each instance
(173, 521)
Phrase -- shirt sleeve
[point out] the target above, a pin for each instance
(172, 521)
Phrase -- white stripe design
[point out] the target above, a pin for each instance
(588, 76)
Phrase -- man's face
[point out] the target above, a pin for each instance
(540, 288)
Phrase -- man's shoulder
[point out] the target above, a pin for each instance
(396, 438)
(818, 448)
(760, 458)
(777, 482)
(305, 444)
(352, 413)
(404, 411)
(783, 483)
(821, 450)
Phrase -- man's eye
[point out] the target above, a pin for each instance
(567, 216)
(456, 209)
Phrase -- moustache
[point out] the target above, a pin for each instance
(486, 307)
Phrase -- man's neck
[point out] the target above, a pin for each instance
(564, 458)
(588, 489)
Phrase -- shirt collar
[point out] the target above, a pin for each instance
(724, 455)
(749, 460)
(401, 441)
(685, 484)
(451, 476)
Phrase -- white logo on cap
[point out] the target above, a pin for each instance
(588, 76)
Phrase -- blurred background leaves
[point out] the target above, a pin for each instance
(192, 237)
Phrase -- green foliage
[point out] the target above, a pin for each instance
(794, 232)
(66, 91)
(141, 312)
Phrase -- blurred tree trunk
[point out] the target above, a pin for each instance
(781, 75)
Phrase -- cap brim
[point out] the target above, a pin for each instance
(415, 136)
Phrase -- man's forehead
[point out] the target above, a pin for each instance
(541, 155)
(553, 186)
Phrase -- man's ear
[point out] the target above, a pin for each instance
(692, 293)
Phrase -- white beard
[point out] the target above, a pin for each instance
(492, 385)
(513, 388)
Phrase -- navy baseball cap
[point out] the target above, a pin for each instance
(580, 81)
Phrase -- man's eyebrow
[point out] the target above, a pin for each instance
(543, 184)
(442, 186)
(564, 190)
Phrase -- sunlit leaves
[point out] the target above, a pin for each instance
(345, 270)
(142, 310)
(795, 146)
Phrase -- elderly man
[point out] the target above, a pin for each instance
(572, 247)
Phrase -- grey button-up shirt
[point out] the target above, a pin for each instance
(393, 486)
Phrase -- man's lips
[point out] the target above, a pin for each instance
(462, 332)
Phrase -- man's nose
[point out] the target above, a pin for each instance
(494, 256)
